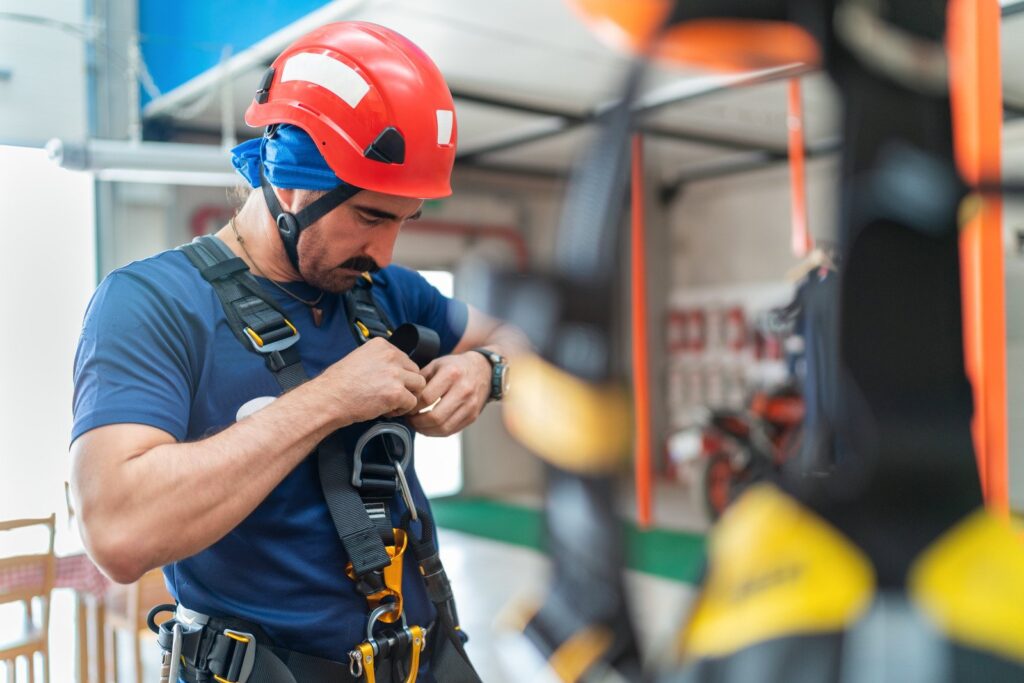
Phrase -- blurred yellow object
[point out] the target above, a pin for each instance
(725, 44)
(971, 584)
(576, 655)
(776, 569)
(570, 423)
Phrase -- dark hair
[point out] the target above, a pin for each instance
(238, 194)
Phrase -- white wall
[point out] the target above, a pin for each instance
(44, 95)
(49, 237)
(736, 229)
(47, 280)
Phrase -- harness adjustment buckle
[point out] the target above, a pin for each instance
(263, 346)
(239, 662)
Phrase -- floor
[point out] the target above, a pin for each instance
(486, 575)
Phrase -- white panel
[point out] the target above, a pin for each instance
(43, 93)
(329, 74)
(54, 209)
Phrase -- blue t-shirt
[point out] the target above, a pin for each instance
(156, 349)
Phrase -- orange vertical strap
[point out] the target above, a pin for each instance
(641, 386)
(797, 177)
(976, 91)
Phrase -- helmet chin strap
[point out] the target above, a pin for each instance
(290, 225)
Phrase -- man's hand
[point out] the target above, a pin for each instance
(462, 383)
(376, 379)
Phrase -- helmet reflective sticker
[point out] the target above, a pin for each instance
(328, 73)
(445, 119)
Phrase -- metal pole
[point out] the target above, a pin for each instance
(641, 384)
(801, 240)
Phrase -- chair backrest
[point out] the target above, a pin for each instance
(146, 593)
(29, 575)
(128, 606)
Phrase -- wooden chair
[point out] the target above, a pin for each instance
(126, 611)
(36, 577)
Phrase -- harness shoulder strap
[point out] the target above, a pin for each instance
(258, 323)
(366, 318)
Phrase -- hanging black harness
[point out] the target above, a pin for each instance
(358, 488)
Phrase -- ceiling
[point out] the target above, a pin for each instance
(528, 76)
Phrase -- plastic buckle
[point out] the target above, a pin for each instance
(280, 345)
(239, 667)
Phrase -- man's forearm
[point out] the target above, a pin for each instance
(507, 340)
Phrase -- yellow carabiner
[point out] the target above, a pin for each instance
(361, 662)
(392, 590)
(419, 641)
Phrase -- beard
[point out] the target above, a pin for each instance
(329, 277)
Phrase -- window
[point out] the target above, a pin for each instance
(439, 459)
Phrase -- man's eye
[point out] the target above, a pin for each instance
(371, 220)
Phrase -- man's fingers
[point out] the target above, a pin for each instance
(442, 410)
(431, 368)
(437, 385)
(430, 427)
(414, 382)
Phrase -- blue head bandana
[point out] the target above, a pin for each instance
(290, 160)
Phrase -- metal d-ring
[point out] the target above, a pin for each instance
(375, 616)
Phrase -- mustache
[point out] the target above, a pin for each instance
(363, 264)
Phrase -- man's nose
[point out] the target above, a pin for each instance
(381, 247)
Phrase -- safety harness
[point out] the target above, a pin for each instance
(358, 488)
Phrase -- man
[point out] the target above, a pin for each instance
(186, 452)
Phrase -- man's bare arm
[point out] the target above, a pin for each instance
(144, 500)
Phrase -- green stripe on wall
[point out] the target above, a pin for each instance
(672, 555)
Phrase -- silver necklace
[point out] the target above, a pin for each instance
(314, 309)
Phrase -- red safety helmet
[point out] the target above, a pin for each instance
(374, 102)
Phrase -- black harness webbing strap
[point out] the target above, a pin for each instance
(357, 531)
(363, 312)
(210, 652)
(247, 307)
(449, 661)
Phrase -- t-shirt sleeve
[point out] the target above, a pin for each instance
(426, 306)
(133, 363)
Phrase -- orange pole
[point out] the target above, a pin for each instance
(976, 91)
(801, 241)
(641, 385)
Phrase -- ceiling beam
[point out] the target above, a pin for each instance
(676, 93)
(1012, 111)
(576, 118)
(532, 172)
(1013, 8)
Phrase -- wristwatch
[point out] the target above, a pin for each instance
(499, 373)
